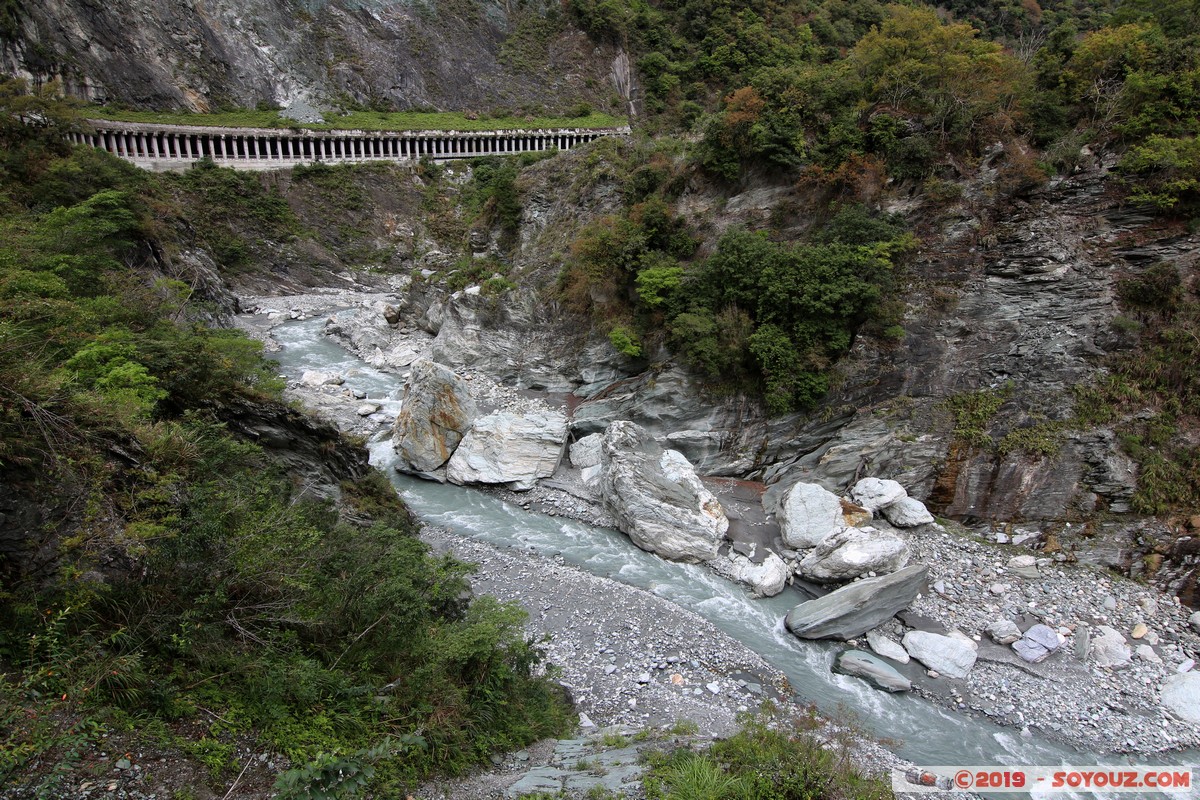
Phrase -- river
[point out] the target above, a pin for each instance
(926, 733)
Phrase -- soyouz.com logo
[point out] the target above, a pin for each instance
(1140, 779)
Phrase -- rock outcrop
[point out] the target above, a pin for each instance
(656, 498)
(858, 607)
(511, 449)
(852, 552)
(436, 414)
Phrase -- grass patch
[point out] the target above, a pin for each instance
(357, 120)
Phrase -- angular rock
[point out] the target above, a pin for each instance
(1194, 621)
(1003, 631)
(1037, 644)
(1181, 694)
(852, 552)
(436, 413)
(1108, 649)
(1139, 631)
(367, 409)
(1146, 653)
(873, 670)
(765, 580)
(510, 449)
(656, 498)
(874, 493)
(886, 647)
(907, 512)
(391, 314)
(944, 654)
(807, 514)
(858, 607)
(586, 452)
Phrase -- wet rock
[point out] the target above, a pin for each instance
(765, 580)
(656, 498)
(436, 414)
(886, 647)
(1108, 649)
(1181, 694)
(853, 552)
(511, 449)
(873, 670)
(907, 512)
(874, 494)
(808, 514)
(944, 654)
(858, 607)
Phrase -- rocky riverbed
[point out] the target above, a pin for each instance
(1110, 705)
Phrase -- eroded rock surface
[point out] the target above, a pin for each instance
(437, 412)
(512, 449)
(656, 498)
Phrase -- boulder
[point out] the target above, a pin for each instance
(1003, 631)
(873, 494)
(1107, 648)
(907, 512)
(510, 449)
(807, 514)
(858, 607)
(873, 670)
(765, 580)
(586, 452)
(1194, 621)
(656, 498)
(436, 413)
(391, 314)
(886, 647)
(1181, 694)
(1146, 653)
(1025, 566)
(316, 378)
(944, 654)
(852, 552)
(1037, 644)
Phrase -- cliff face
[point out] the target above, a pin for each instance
(447, 54)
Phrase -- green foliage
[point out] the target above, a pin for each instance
(788, 310)
(768, 759)
(1164, 172)
(624, 341)
(179, 567)
(329, 777)
(973, 413)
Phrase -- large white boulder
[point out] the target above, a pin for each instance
(656, 498)
(436, 412)
(766, 579)
(945, 654)
(907, 512)
(1181, 694)
(808, 513)
(586, 452)
(852, 552)
(1108, 649)
(874, 493)
(512, 449)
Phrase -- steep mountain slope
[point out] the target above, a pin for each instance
(448, 54)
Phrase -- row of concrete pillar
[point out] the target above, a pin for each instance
(336, 147)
